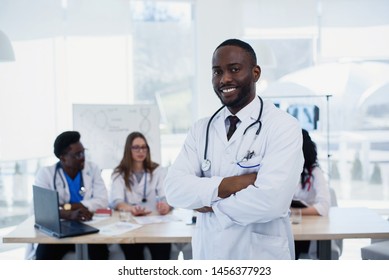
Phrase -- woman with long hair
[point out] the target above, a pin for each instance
(137, 187)
(312, 190)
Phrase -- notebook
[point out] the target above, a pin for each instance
(298, 204)
(47, 218)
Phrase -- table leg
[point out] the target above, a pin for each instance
(324, 249)
(82, 252)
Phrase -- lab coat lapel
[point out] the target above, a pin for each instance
(87, 180)
(219, 126)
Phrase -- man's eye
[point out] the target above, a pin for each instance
(235, 69)
(216, 72)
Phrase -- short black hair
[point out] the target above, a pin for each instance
(64, 140)
(241, 44)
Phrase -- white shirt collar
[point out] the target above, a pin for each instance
(246, 111)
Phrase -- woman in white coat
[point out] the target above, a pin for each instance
(312, 190)
(137, 187)
(242, 186)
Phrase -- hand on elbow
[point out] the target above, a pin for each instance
(204, 209)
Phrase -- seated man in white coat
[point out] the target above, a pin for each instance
(240, 181)
(80, 188)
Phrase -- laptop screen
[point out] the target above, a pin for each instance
(46, 208)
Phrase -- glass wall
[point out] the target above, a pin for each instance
(87, 52)
(337, 64)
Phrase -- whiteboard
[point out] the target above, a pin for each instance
(104, 129)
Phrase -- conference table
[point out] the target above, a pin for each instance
(341, 223)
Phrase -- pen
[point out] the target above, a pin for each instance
(157, 198)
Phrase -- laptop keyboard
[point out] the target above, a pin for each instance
(70, 226)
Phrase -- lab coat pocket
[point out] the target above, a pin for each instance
(251, 165)
(269, 247)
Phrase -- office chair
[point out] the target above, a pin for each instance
(377, 250)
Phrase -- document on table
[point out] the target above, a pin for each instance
(144, 220)
(96, 219)
(118, 228)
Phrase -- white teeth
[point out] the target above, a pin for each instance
(228, 90)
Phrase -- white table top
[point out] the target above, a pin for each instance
(340, 224)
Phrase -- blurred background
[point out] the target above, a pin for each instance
(326, 62)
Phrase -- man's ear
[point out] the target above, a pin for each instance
(62, 158)
(256, 72)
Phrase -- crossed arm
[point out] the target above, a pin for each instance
(230, 186)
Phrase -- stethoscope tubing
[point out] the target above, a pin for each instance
(207, 131)
(57, 167)
(247, 128)
(144, 198)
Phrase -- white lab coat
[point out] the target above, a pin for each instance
(318, 195)
(253, 223)
(95, 196)
(153, 186)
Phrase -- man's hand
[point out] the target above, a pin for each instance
(231, 185)
(79, 205)
(80, 214)
(139, 211)
(204, 209)
(163, 208)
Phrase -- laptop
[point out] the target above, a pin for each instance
(47, 217)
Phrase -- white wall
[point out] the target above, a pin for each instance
(216, 21)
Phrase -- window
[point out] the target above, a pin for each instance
(88, 52)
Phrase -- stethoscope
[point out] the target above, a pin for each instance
(144, 198)
(57, 167)
(206, 163)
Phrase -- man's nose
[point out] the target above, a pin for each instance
(225, 78)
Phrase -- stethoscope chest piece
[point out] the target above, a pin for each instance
(82, 191)
(205, 165)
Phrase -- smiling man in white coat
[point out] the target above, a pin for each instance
(240, 181)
